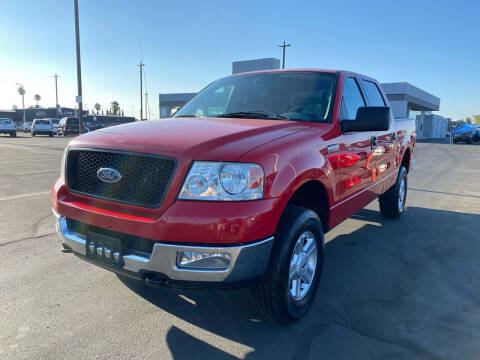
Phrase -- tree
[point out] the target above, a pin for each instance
(476, 119)
(21, 90)
(122, 113)
(14, 107)
(468, 120)
(37, 98)
(97, 107)
(102, 112)
(114, 107)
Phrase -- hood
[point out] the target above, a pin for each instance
(196, 138)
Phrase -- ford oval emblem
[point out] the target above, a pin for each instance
(108, 175)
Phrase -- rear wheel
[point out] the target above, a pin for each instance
(392, 202)
(289, 285)
(51, 134)
(33, 134)
(13, 134)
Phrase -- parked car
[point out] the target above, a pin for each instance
(68, 126)
(239, 187)
(7, 126)
(468, 137)
(42, 127)
(27, 126)
(55, 125)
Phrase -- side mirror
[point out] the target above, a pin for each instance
(369, 118)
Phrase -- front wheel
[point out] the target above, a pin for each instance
(392, 202)
(289, 285)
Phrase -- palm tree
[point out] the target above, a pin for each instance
(14, 107)
(97, 107)
(37, 98)
(115, 107)
(21, 90)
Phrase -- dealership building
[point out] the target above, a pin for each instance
(405, 99)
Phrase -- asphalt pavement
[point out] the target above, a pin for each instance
(391, 289)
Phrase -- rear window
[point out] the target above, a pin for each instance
(373, 93)
(5, 121)
(42, 122)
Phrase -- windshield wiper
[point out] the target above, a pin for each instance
(264, 114)
(180, 116)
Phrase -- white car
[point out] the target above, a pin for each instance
(8, 127)
(55, 125)
(42, 127)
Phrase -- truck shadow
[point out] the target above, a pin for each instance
(377, 278)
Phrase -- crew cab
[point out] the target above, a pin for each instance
(239, 187)
(42, 127)
(8, 127)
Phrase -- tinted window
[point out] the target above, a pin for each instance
(373, 93)
(72, 121)
(304, 96)
(42, 122)
(5, 121)
(352, 99)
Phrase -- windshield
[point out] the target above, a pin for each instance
(302, 96)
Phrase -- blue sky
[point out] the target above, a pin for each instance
(434, 45)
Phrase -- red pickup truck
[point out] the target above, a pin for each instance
(239, 186)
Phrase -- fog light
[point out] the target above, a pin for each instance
(203, 260)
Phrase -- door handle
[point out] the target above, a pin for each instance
(394, 135)
(374, 141)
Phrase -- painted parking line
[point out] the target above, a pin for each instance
(22, 196)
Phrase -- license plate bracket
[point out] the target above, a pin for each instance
(104, 248)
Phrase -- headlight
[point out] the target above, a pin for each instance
(62, 164)
(223, 181)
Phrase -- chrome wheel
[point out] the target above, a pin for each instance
(401, 195)
(303, 265)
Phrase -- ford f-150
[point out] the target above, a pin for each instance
(239, 187)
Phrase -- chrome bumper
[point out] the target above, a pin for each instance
(246, 261)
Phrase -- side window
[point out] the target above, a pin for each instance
(352, 99)
(373, 93)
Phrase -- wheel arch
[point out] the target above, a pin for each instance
(312, 194)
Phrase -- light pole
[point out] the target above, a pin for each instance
(141, 65)
(284, 46)
(79, 69)
(56, 92)
(21, 91)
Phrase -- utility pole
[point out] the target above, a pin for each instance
(141, 65)
(147, 108)
(56, 91)
(79, 70)
(284, 46)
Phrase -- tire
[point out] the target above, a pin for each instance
(13, 134)
(274, 294)
(51, 134)
(33, 134)
(392, 204)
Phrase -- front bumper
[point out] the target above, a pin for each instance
(160, 266)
